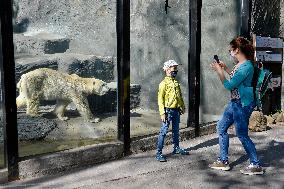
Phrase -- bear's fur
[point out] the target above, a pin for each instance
(48, 84)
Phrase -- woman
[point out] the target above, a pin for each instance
(240, 106)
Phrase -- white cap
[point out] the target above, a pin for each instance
(169, 64)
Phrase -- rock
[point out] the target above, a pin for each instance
(30, 128)
(20, 25)
(270, 120)
(80, 64)
(26, 64)
(40, 43)
(280, 117)
(275, 115)
(257, 122)
(1, 132)
(86, 65)
(108, 102)
(135, 93)
(74, 128)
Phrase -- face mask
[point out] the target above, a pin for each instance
(174, 73)
(233, 58)
(232, 54)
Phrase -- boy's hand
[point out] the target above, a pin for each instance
(182, 111)
(163, 118)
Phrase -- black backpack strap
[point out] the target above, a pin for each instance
(256, 72)
(254, 80)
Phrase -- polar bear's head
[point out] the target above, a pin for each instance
(99, 87)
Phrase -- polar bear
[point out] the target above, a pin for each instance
(48, 84)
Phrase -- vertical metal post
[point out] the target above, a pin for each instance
(194, 63)
(123, 72)
(245, 18)
(9, 88)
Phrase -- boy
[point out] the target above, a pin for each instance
(171, 105)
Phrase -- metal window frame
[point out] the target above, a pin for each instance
(194, 64)
(245, 28)
(123, 72)
(123, 68)
(9, 91)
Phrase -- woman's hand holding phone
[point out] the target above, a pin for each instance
(223, 65)
(215, 66)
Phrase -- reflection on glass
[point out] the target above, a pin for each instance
(2, 156)
(65, 72)
(155, 38)
(218, 27)
(2, 150)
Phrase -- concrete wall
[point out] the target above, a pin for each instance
(220, 24)
(89, 24)
(155, 38)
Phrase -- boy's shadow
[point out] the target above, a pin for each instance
(208, 143)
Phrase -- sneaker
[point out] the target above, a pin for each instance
(252, 170)
(160, 157)
(181, 151)
(220, 165)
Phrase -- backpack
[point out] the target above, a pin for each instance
(260, 83)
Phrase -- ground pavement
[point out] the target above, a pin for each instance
(143, 171)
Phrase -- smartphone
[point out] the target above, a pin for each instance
(216, 58)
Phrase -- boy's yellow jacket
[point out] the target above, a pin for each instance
(169, 95)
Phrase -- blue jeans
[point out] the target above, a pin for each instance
(172, 115)
(239, 116)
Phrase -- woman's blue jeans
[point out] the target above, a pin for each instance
(172, 115)
(239, 116)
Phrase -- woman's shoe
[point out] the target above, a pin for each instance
(220, 165)
(252, 170)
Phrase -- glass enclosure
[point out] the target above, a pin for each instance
(155, 37)
(65, 55)
(219, 25)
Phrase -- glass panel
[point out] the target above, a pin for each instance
(155, 38)
(218, 27)
(2, 147)
(65, 71)
(2, 151)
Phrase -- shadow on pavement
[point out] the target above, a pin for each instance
(208, 143)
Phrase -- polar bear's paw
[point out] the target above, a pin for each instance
(34, 114)
(63, 118)
(94, 120)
